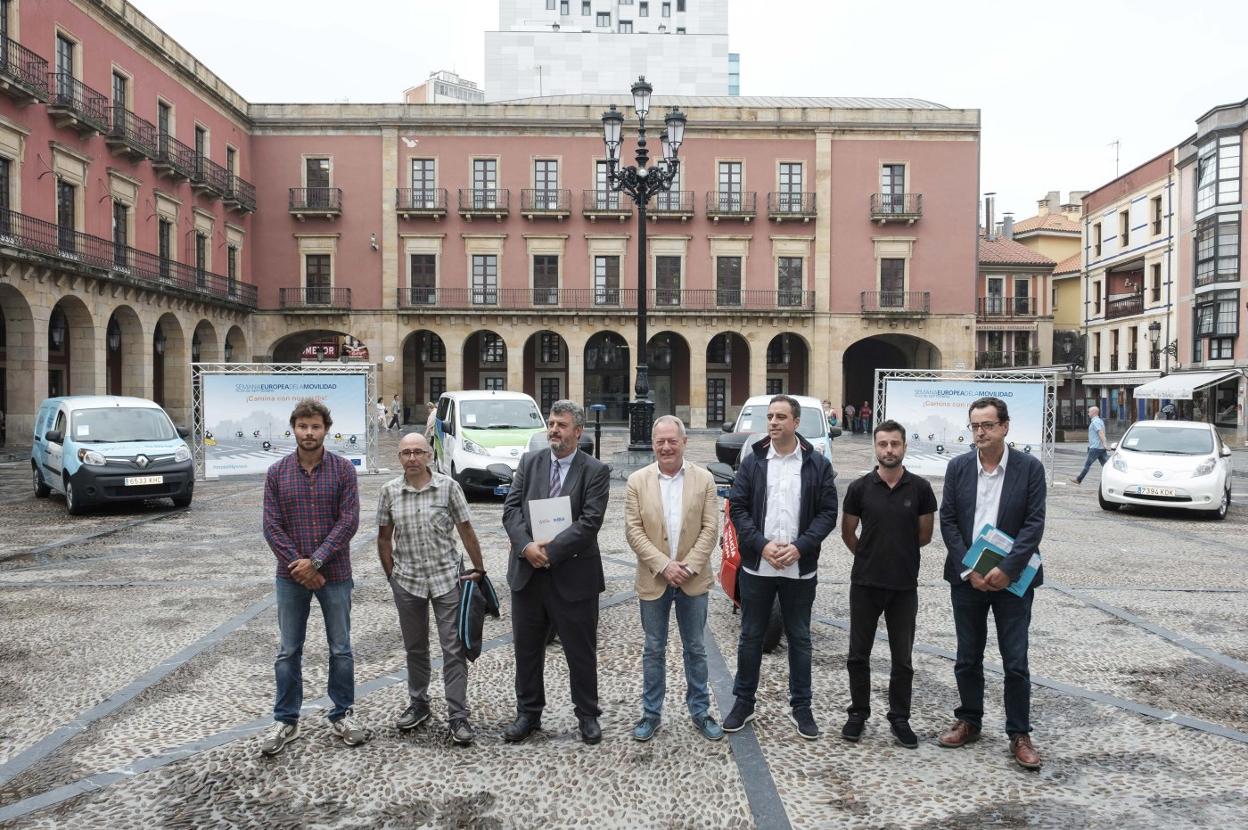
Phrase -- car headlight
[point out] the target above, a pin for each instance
(91, 458)
(182, 454)
(1205, 468)
(473, 447)
(1120, 463)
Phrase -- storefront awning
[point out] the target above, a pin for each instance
(1182, 385)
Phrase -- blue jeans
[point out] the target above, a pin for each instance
(1012, 616)
(691, 619)
(1094, 454)
(293, 604)
(758, 594)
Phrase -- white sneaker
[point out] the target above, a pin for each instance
(345, 728)
(278, 736)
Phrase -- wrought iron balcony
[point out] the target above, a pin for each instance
(412, 203)
(785, 207)
(317, 202)
(106, 259)
(241, 196)
(475, 202)
(896, 207)
(1006, 360)
(550, 204)
(1113, 362)
(896, 302)
(704, 300)
(23, 74)
(605, 204)
(1124, 306)
(71, 103)
(996, 306)
(132, 136)
(672, 204)
(210, 177)
(173, 158)
(317, 298)
(1133, 361)
(738, 205)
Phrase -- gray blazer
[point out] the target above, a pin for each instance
(575, 561)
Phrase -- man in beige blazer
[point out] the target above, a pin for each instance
(671, 519)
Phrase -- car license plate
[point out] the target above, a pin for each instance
(1157, 491)
(138, 481)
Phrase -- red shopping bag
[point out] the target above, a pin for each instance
(730, 558)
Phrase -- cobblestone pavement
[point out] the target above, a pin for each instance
(136, 672)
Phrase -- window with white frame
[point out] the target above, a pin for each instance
(789, 280)
(424, 194)
(484, 279)
(606, 280)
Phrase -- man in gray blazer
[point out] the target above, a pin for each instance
(557, 582)
(1005, 488)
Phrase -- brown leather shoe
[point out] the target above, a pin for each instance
(960, 734)
(1024, 752)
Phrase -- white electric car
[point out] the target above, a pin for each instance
(1181, 464)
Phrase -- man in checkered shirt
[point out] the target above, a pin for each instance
(416, 515)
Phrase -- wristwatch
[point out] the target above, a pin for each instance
(316, 563)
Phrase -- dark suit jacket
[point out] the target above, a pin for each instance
(1021, 513)
(576, 565)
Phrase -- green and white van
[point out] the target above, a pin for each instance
(475, 429)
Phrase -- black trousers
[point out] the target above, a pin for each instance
(899, 608)
(533, 611)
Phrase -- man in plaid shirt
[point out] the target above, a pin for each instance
(311, 511)
(416, 514)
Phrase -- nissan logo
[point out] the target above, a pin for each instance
(1158, 474)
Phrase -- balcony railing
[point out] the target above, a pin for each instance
(23, 74)
(131, 135)
(552, 203)
(72, 103)
(173, 158)
(675, 204)
(317, 297)
(896, 207)
(211, 177)
(410, 202)
(896, 302)
(994, 306)
(477, 202)
(1116, 307)
(784, 206)
(242, 195)
(732, 205)
(315, 201)
(1006, 360)
(607, 299)
(605, 203)
(1133, 361)
(1113, 362)
(117, 261)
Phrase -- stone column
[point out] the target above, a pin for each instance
(576, 368)
(697, 382)
(758, 361)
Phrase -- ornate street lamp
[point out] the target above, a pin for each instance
(56, 331)
(229, 351)
(158, 341)
(640, 183)
(1170, 350)
(114, 335)
(195, 347)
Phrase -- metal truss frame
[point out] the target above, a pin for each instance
(198, 370)
(1048, 376)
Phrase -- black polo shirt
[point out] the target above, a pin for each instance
(888, 541)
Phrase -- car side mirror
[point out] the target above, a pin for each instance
(54, 436)
(1226, 452)
(834, 432)
(183, 432)
(727, 426)
(448, 427)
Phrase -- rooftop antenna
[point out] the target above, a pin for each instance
(1117, 145)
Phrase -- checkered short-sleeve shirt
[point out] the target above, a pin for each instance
(426, 562)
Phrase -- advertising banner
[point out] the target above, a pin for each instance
(934, 413)
(247, 418)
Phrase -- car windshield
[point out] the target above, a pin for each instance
(500, 414)
(1168, 440)
(119, 424)
(754, 419)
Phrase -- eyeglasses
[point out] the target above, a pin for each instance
(983, 426)
(413, 453)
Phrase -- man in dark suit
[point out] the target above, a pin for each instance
(1005, 488)
(557, 582)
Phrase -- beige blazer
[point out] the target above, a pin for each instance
(646, 530)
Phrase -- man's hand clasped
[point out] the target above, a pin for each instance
(676, 574)
(994, 581)
(306, 574)
(781, 555)
(536, 555)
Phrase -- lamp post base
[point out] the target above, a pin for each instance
(640, 422)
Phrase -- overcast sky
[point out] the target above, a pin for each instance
(1056, 82)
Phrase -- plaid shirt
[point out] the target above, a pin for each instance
(425, 562)
(312, 515)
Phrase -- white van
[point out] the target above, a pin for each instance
(474, 429)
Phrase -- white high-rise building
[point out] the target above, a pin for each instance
(562, 47)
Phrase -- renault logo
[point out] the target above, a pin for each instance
(141, 460)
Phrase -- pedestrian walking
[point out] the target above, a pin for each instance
(850, 421)
(671, 521)
(396, 413)
(311, 512)
(1097, 445)
(417, 514)
(896, 512)
(382, 415)
(431, 418)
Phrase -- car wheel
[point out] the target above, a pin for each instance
(73, 506)
(1219, 513)
(41, 488)
(1106, 505)
(184, 501)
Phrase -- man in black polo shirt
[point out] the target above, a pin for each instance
(897, 511)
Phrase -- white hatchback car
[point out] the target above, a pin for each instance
(1180, 464)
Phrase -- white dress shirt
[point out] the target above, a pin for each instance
(784, 504)
(987, 496)
(672, 493)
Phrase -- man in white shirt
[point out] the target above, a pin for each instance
(783, 506)
(671, 522)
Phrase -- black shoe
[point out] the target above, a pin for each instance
(805, 722)
(522, 727)
(852, 730)
(413, 716)
(904, 734)
(591, 732)
(741, 714)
